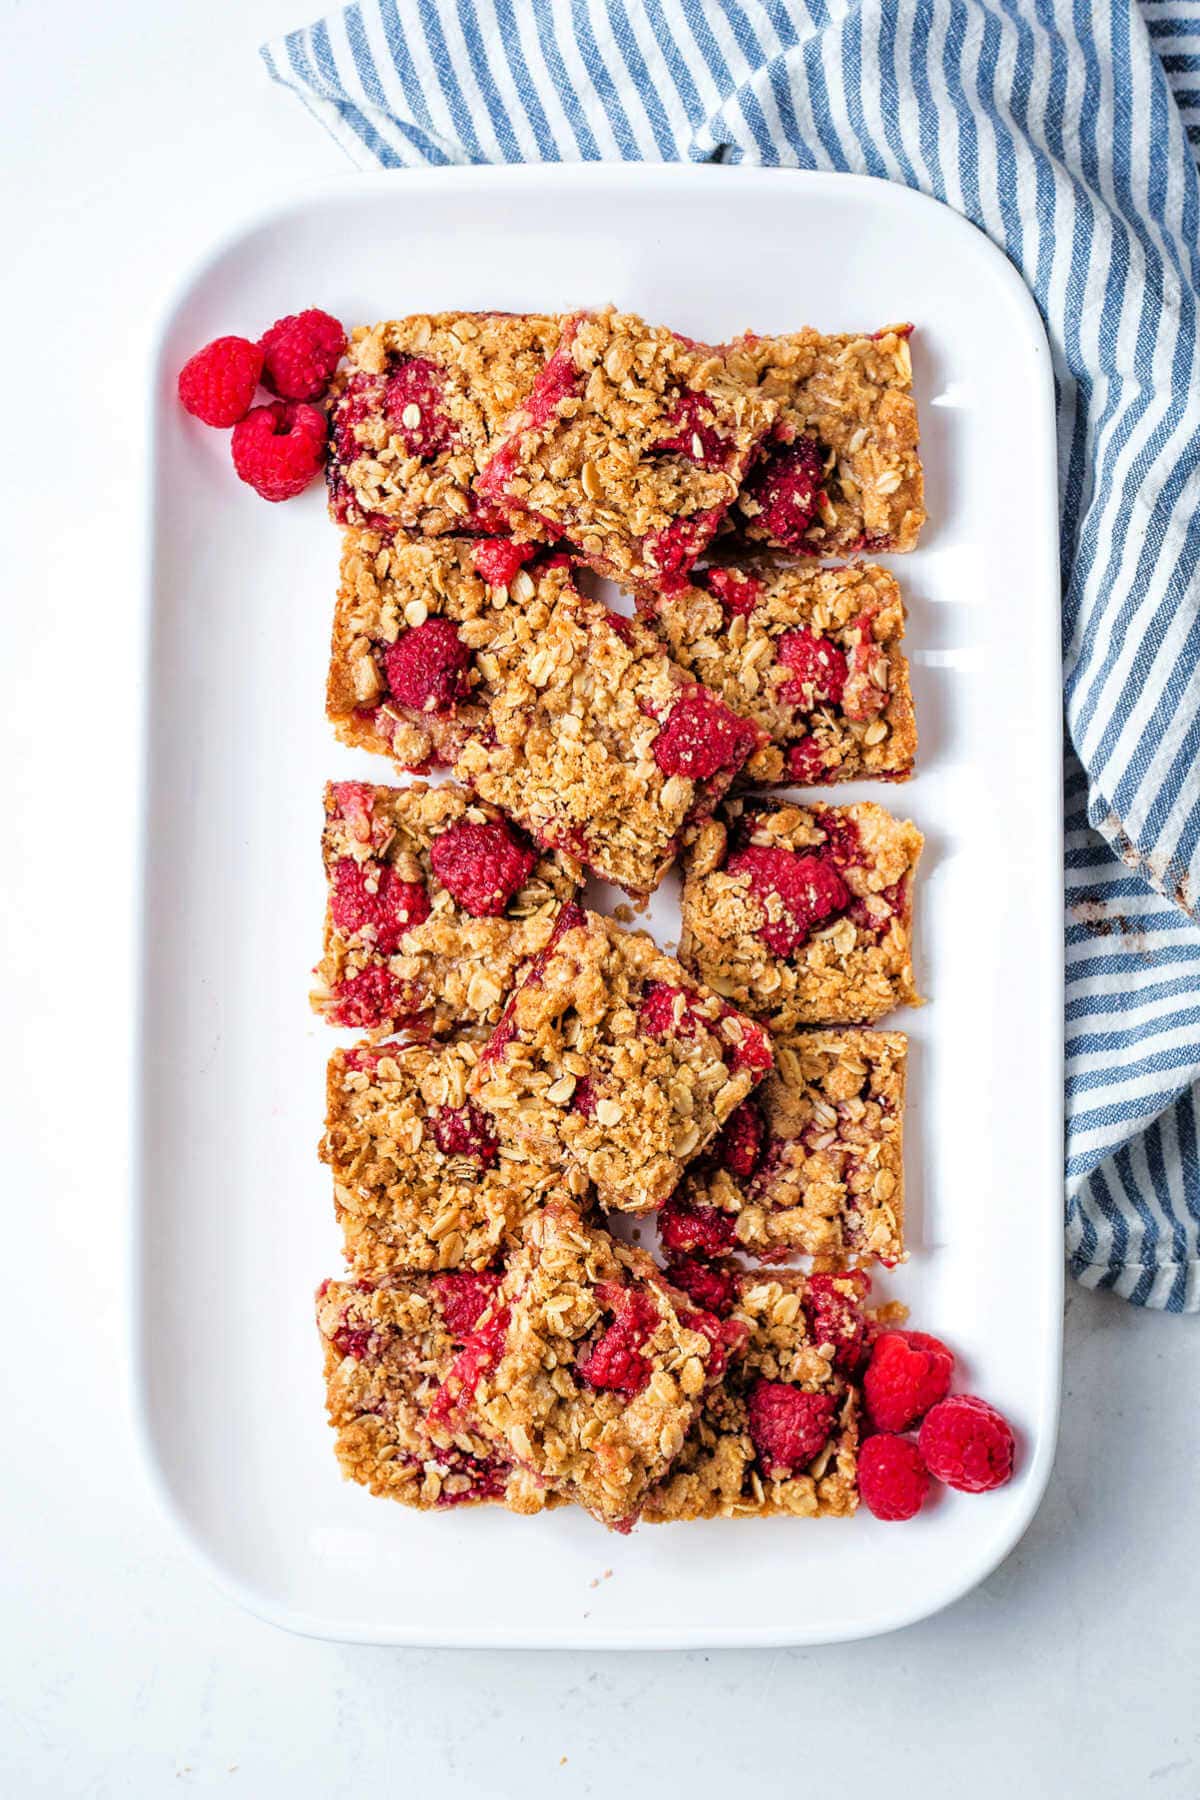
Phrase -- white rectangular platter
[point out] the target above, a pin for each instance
(233, 1218)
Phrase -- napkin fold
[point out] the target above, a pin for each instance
(1061, 128)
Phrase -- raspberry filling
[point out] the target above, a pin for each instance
(692, 433)
(585, 1097)
(477, 1358)
(482, 865)
(836, 1318)
(427, 667)
(843, 841)
(674, 549)
(738, 594)
(888, 904)
(359, 401)
(464, 1295)
(739, 1147)
(352, 800)
(395, 908)
(414, 403)
(465, 1131)
(796, 893)
(558, 381)
(668, 1011)
(499, 560)
(805, 763)
(789, 1426)
(688, 1230)
(726, 1338)
(710, 1288)
(615, 1360)
(366, 999)
(818, 669)
(702, 736)
(786, 489)
(864, 700)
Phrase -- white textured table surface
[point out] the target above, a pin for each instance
(131, 135)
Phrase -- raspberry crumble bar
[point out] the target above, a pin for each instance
(420, 1179)
(570, 717)
(632, 444)
(842, 473)
(610, 1055)
(387, 1349)
(812, 1162)
(435, 906)
(588, 1369)
(812, 655)
(780, 1434)
(802, 914)
(417, 407)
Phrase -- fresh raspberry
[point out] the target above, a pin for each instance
(465, 1131)
(674, 549)
(710, 1288)
(365, 1000)
(217, 384)
(702, 735)
(695, 1230)
(805, 763)
(427, 667)
(789, 1426)
(740, 1145)
(818, 669)
(615, 1360)
(499, 559)
(691, 432)
(414, 403)
(668, 1011)
(907, 1374)
(805, 890)
(836, 1317)
(464, 1297)
(278, 449)
(300, 354)
(892, 1479)
(786, 487)
(396, 906)
(738, 594)
(482, 865)
(967, 1444)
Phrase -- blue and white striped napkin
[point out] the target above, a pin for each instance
(1052, 124)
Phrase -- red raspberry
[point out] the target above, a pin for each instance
(967, 1444)
(365, 1000)
(396, 906)
(786, 487)
(740, 1144)
(843, 841)
(478, 1357)
(414, 403)
(352, 1340)
(805, 763)
(738, 594)
(695, 1230)
(712, 1289)
(465, 1131)
(427, 667)
(892, 1479)
(835, 1317)
(907, 1374)
(702, 735)
(692, 433)
(753, 1050)
(667, 1011)
(217, 384)
(465, 1296)
(818, 669)
(674, 549)
(279, 449)
(789, 1426)
(615, 1360)
(482, 865)
(585, 1097)
(726, 1338)
(499, 559)
(300, 354)
(807, 888)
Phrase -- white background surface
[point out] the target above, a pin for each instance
(130, 134)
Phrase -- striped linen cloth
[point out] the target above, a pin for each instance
(1061, 128)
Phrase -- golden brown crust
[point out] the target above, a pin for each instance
(853, 394)
(868, 732)
(828, 1180)
(609, 1055)
(855, 966)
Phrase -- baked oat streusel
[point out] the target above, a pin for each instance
(435, 906)
(802, 914)
(812, 655)
(632, 445)
(610, 1055)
